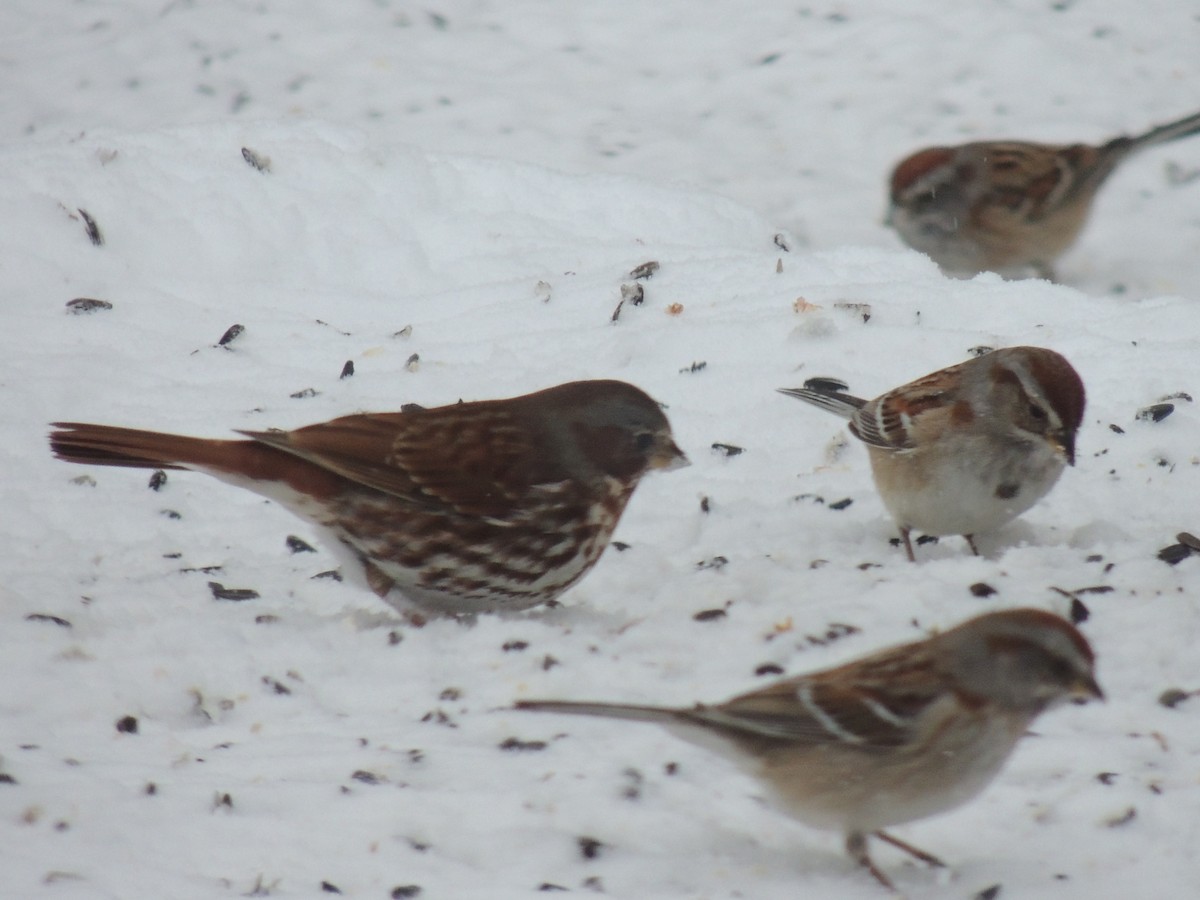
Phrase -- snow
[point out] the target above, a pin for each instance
(489, 174)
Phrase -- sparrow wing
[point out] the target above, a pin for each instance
(873, 703)
(476, 458)
(892, 420)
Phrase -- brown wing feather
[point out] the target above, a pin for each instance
(1030, 179)
(871, 703)
(884, 421)
(774, 712)
(478, 460)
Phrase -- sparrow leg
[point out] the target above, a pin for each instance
(905, 535)
(928, 858)
(856, 846)
(971, 543)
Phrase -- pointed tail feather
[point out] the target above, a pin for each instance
(251, 464)
(1172, 131)
(829, 394)
(634, 713)
(1121, 148)
(105, 445)
(110, 445)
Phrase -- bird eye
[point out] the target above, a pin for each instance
(643, 441)
(1036, 412)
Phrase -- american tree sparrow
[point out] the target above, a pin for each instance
(896, 736)
(471, 507)
(1007, 206)
(966, 449)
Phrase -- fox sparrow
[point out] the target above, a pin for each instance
(471, 507)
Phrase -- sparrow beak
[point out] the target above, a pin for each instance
(669, 458)
(1086, 688)
(1064, 443)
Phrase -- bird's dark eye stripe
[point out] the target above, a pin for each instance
(1036, 411)
(1061, 669)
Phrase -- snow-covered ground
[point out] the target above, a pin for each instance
(488, 173)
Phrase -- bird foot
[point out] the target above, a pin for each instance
(916, 852)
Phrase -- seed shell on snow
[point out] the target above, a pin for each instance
(235, 595)
(46, 617)
(298, 545)
(325, 324)
(517, 745)
(1079, 611)
(81, 305)
(232, 333)
(1172, 697)
(645, 270)
(1122, 819)
(1173, 554)
(203, 570)
(1156, 412)
(276, 686)
(590, 847)
(256, 160)
(91, 228)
